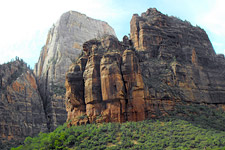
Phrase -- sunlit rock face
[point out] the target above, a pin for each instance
(165, 61)
(21, 107)
(63, 45)
(105, 84)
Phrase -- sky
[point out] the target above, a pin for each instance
(24, 24)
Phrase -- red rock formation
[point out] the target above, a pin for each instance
(21, 107)
(179, 56)
(170, 61)
(106, 85)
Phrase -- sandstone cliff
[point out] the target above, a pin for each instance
(63, 45)
(177, 59)
(21, 107)
(167, 61)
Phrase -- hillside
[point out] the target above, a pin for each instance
(21, 107)
(188, 127)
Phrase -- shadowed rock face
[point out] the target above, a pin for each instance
(169, 61)
(178, 59)
(21, 107)
(63, 46)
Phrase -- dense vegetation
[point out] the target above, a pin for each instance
(189, 127)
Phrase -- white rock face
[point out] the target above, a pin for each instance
(64, 43)
(63, 46)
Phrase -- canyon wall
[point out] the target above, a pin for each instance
(165, 62)
(21, 107)
(177, 59)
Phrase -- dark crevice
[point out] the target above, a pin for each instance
(43, 95)
(97, 67)
(82, 69)
(125, 94)
(83, 92)
(45, 102)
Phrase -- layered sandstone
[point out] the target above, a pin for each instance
(21, 107)
(178, 59)
(105, 84)
(167, 61)
(63, 46)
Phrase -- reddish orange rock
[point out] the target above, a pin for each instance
(165, 61)
(21, 107)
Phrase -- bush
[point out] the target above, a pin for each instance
(175, 132)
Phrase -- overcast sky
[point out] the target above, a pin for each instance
(24, 23)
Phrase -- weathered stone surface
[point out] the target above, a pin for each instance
(167, 61)
(110, 86)
(63, 45)
(21, 107)
(133, 81)
(177, 58)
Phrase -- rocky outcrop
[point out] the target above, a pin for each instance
(167, 61)
(63, 46)
(105, 84)
(21, 107)
(178, 59)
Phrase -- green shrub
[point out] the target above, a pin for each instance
(174, 132)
